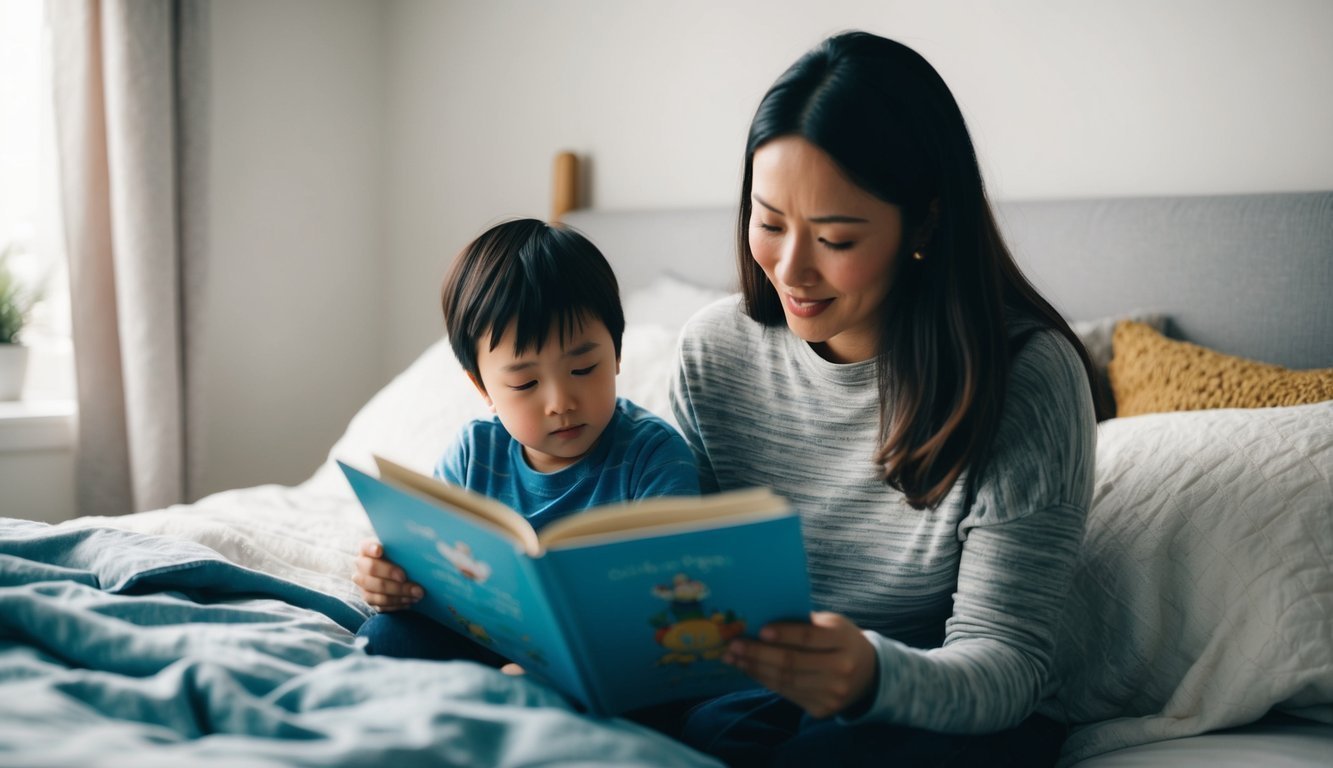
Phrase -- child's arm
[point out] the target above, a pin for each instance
(383, 584)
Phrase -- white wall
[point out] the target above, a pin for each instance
(1064, 98)
(294, 315)
(359, 145)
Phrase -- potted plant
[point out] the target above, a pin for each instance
(15, 306)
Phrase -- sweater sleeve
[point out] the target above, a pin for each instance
(1020, 540)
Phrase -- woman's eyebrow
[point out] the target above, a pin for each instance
(831, 219)
(762, 202)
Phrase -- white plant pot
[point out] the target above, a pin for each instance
(13, 367)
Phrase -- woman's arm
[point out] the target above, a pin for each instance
(996, 659)
(1020, 540)
(991, 671)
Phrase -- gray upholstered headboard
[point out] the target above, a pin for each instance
(1249, 275)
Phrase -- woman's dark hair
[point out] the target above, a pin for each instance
(532, 273)
(887, 119)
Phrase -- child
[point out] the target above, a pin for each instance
(533, 315)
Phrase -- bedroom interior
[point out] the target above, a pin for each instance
(1200, 631)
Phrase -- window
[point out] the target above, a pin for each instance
(29, 209)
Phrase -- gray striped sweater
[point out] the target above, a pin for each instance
(960, 602)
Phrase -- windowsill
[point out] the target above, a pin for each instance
(37, 425)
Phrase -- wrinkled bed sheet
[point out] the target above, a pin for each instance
(119, 648)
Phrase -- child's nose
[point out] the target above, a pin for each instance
(561, 400)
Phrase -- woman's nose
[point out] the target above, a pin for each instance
(794, 265)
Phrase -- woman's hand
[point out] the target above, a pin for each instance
(383, 584)
(823, 667)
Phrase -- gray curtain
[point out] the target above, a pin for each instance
(130, 92)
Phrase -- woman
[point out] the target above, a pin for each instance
(890, 371)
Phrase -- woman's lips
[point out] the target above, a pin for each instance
(806, 308)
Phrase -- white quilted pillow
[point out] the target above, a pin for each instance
(668, 301)
(413, 418)
(1205, 595)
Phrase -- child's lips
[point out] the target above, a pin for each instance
(568, 433)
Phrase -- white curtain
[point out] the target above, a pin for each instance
(130, 105)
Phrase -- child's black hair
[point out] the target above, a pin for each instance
(531, 272)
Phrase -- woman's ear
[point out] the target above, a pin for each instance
(481, 390)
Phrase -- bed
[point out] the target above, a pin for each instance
(1199, 631)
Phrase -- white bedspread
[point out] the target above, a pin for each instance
(1206, 595)
(302, 534)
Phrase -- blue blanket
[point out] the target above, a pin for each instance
(118, 648)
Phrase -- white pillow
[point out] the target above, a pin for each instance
(669, 301)
(411, 420)
(647, 363)
(415, 416)
(1204, 594)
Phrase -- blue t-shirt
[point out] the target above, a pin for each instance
(637, 457)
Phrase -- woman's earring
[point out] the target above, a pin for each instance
(918, 256)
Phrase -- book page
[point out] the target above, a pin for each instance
(654, 614)
(462, 500)
(633, 519)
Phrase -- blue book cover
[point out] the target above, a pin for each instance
(619, 607)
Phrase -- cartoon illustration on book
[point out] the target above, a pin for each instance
(474, 630)
(460, 557)
(686, 629)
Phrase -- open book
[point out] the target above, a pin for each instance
(620, 607)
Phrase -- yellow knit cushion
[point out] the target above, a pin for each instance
(1151, 373)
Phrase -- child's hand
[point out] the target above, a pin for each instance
(383, 584)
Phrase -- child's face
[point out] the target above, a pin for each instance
(555, 402)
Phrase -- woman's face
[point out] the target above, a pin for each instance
(828, 247)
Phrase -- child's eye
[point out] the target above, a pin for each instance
(523, 386)
(839, 246)
(584, 371)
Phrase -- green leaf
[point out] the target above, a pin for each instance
(15, 303)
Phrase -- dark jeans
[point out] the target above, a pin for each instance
(411, 635)
(760, 728)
